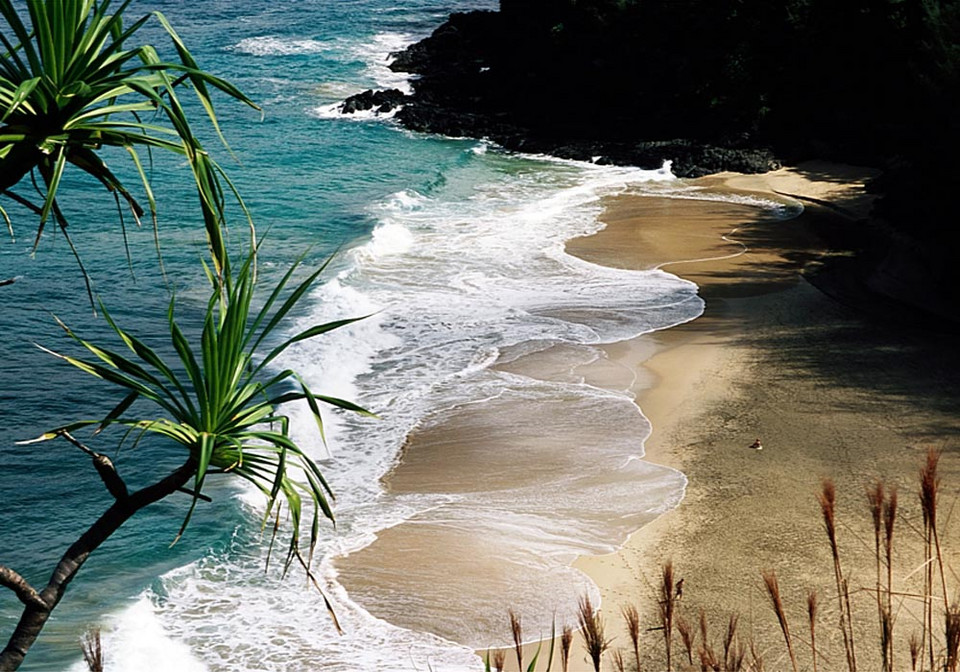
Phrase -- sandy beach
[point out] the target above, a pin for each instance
(829, 391)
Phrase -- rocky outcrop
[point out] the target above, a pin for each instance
(481, 76)
(380, 102)
(711, 86)
(690, 158)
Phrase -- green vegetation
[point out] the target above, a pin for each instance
(849, 78)
(219, 412)
(70, 85)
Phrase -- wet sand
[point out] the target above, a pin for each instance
(829, 392)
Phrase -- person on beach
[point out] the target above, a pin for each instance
(756, 445)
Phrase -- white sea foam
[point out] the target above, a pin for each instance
(271, 45)
(335, 111)
(374, 51)
(135, 639)
(453, 281)
(377, 53)
(782, 208)
(388, 238)
(453, 277)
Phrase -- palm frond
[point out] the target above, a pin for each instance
(221, 409)
(70, 83)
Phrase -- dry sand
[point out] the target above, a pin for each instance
(830, 392)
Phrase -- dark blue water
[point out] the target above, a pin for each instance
(456, 246)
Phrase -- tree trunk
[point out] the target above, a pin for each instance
(34, 617)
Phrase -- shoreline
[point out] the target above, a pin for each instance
(761, 361)
(773, 357)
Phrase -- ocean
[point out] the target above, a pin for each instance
(456, 249)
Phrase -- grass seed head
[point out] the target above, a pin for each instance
(516, 629)
(592, 631)
(566, 641)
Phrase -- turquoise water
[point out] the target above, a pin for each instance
(457, 247)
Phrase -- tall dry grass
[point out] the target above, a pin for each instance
(889, 520)
(631, 618)
(592, 631)
(516, 630)
(688, 636)
(756, 658)
(876, 498)
(916, 646)
(883, 510)
(813, 606)
(733, 652)
(828, 503)
(566, 641)
(929, 499)
(773, 590)
(618, 663)
(927, 651)
(667, 604)
(706, 654)
(932, 649)
(92, 649)
(952, 635)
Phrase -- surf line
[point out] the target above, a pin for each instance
(728, 238)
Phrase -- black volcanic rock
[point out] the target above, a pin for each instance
(380, 101)
(712, 85)
(690, 158)
(459, 45)
(497, 76)
(694, 159)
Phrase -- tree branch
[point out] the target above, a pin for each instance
(36, 613)
(108, 473)
(110, 477)
(25, 592)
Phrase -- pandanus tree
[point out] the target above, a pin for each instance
(219, 404)
(72, 84)
(69, 86)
